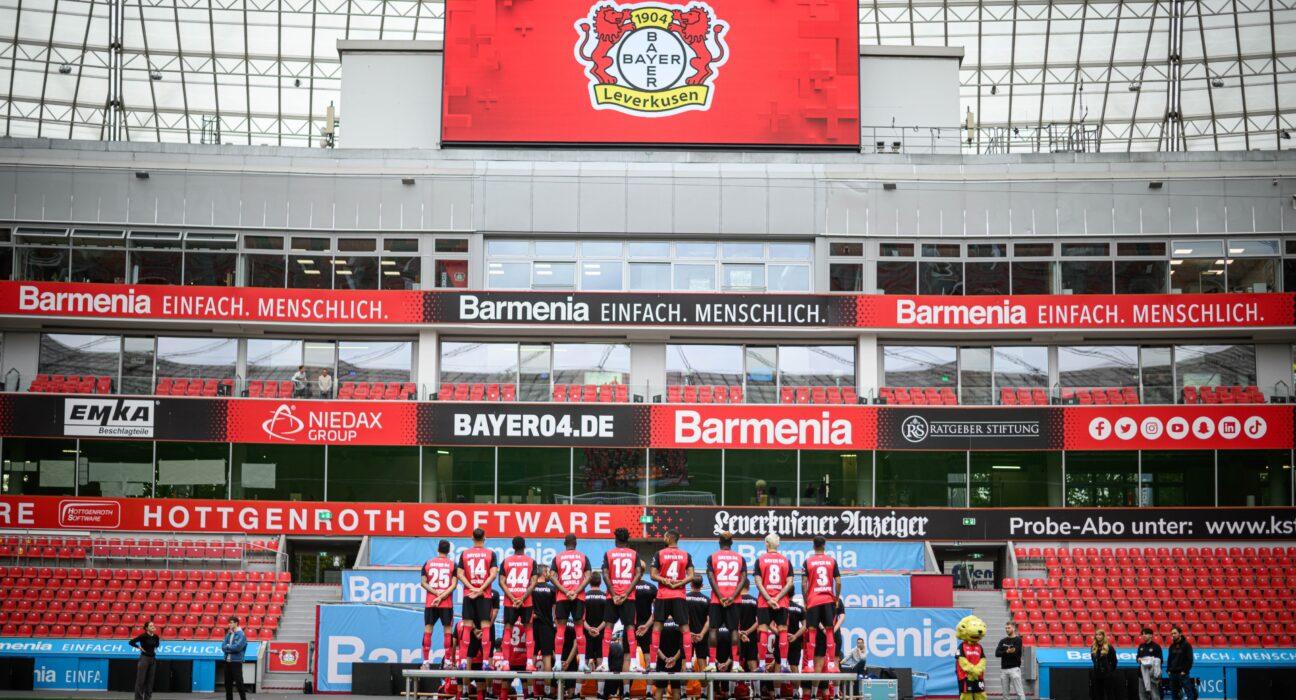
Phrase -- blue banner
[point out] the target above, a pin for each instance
(851, 556)
(114, 649)
(413, 551)
(921, 639)
(70, 673)
(873, 591)
(367, 633)
(1217, 668)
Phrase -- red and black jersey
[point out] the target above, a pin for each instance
(515, 578)
(438, 572)
(476, 564)
(571, 566)
(729, 570)
(820, 584)
(773, 569)
(672, 563)
(621, 565)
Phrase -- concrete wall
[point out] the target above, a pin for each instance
(679, 193)
(391, 94)
(907, 93)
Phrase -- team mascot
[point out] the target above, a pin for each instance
(971, 658)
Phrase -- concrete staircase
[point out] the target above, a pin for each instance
(298, 625)
(991, 607)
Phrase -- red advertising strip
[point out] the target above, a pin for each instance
(313, 518)
(779, 72)
(764, 427)
(309, 422)
(289, 657)
(1227, 427)
(1113, 311)
(171, 302)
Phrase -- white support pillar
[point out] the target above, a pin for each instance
(866, 365)
(427, 366)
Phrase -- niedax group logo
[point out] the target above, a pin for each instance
(283, 424)
(651, 59)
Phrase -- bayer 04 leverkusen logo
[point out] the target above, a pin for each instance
(651, 59)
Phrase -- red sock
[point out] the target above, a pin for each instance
(580, 644)
(486, 635)
(830, 645)
(711, 653)
(762, 648)
(631, 645)
(607, 644)
(783, 644)
(688, 644)
(560, 639)
(427, 646)
(530, 642)
(449, 645)
(656, 643)
(506, 646)
(810, 644)
(464, 640)
(733, 651)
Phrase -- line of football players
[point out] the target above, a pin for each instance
(602, 618)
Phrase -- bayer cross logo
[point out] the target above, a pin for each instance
(914, 428)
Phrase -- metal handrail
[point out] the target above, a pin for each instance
(412, 676)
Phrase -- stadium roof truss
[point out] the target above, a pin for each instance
(1109, 76)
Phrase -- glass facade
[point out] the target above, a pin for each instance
(534, 475)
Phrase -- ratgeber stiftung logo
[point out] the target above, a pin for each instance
(651, 59)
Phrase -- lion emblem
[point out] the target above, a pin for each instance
(609, 26)
(694, 27)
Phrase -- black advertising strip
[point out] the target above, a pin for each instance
(556, 425)
(999, 524)
(31, 415)
(640, 309)
(921, 428)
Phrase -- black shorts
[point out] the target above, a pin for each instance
(569, 610)
(776, 615)
(723, 616)
(445, 616)
(821, 616)
(794, 655)
(512, 615)
(478, 610)
(747, 650)
(663, 668)
(593, 644)
(674, 608)
(624, 613)
(544, 638)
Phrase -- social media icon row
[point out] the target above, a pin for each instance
(1178, 428)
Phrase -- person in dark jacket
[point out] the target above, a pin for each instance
(147, 643)
(234, 646)
(1104, 680)
(1179, 664)
(1149, 659)
(1009, 652)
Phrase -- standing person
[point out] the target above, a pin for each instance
(727, 573)
(622, 570)
(672, 569)
(773, 587)
(518, 574)
(1179, 664)
(596, 632)
(324, 382)
(542, 627)
(699, 609)
(147, 643)
(667, 648)
(645, 597)
(478, 568)
(796, 636)
(747, 637)
(1149, 660)
(1009, 651)
(1103, 676)
(233, 646)
(821, 588)
(438, 605)
(571, 575)
(299, 382)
